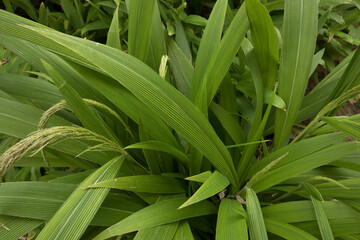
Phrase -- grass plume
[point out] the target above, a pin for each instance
(37, 140)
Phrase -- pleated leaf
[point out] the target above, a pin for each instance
(264, 40)
(184, 231)
(162, 232)
(314, 193)
(287, 231)
(161, 146)
(321, 218)
(347, 126)
(113, 37)
(141, 13)
(304, 164)
(80, 108)
(16, 227)
(157, 94)
(228, 48)
(351, 73)
(180, 67)
(150, 156)
(157, 214)
(146, 183)
(33, 88)
(213, 185)
(202, 177)
(299, 39)
(74, 216)
(255, 218)
(41, 200)
(231, 221)
(303, 211)
(209, 43)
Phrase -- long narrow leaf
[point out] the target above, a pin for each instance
(184, 231)
(264, 40)
(159, 213)
(141, 14)
(231, 222)
(209, 42)
(147, 183)
(349, 127)
(162, 232)
(323, 222)
(255, 218)
(213, 185)
(113, 37)
(74, 216)
(160, 96)
(299, 38)
(287, 231)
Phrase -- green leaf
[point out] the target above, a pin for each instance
(141, 14)
(351, 73)
(150, 156)
(74, 216)
(145, 84)
(255, 218)
(162, 232)
(319, 158)
(299, 39)
(184, 231)
(314, 193)
(296, 151)
(13, 124)
(343, 124)
(161, 146)
(223, 56)
(303, 211)
(95, 25)
(180, 67)
(231, 221)
(195, 20)
(33, 88)
(317, 98)
(157, 47)
(182, 41)
(264, 40)
(229, 123)
(15, 227)
(247, 87)
(348, 189)
(157, 214)
(41, 200)
(209, 43)
(202, 177)
(316, 60)
(146, 183)
(43, 14)
(27, 6)
(213, 185)
(71, 14)
(81, 110)
(287, 231)
(113, 37)
(322, 220)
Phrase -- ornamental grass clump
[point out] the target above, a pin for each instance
(180, 126)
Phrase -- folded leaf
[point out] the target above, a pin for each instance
(74, 216)
(157, 214)
(231, 221)
(146, 183)
(213, 185)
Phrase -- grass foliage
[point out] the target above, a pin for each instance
(137, 120)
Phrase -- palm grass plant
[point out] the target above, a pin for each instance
(185, 135)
